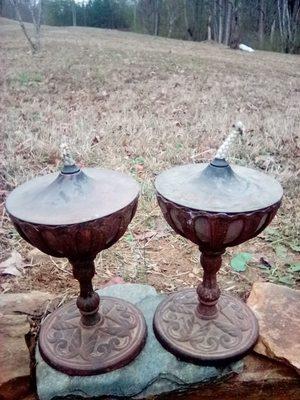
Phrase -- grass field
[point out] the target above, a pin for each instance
(141, 104)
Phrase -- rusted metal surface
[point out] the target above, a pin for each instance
(231, 333)
(76, 215)
(69, 346)
(72, 198)
(218, 187)
(214, 206)
(77, 241)
(213, 231)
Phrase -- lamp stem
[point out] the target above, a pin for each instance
(208, 290)
(88, 300)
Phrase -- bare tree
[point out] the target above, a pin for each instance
(188, 30)
(209, 28)
(156, 17)
(214, 20)
(261, 21)
(220, 35)
(35, 8)
(135, 5)
(74, 19)
(272, 32)
(173, 8)
(228, 22)
(288, 15)
(235, 34)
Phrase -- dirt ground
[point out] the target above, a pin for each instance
(142, 104)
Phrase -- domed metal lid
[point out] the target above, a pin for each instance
(218, 187)
(72, 196)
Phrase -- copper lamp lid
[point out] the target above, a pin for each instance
(218, 187)
(72, 196)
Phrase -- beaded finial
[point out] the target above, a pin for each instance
(69, 166)
(223, 150)
(66, 155)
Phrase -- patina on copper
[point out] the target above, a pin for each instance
(76, 214)
(215, 206)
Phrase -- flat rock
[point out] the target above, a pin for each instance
(153, 372)
(14, 354)
(277, 310)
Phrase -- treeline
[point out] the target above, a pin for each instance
(263, 24)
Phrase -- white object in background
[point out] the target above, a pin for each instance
(246, 48)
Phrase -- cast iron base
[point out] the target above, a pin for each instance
(226, 337)
(113, 342)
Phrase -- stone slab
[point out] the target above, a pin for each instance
(261, 379)
(278, 312)
(14, 354)
(153, 372)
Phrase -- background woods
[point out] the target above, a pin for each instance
(263, 24)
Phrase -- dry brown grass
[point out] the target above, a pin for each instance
(142, 104)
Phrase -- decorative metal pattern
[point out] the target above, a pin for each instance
(76, 214)
(79, 350)
(182, 332)
(208, 205)
(215, 230)
(77, 241)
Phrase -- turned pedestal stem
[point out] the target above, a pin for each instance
(208, 290)
(88, 300)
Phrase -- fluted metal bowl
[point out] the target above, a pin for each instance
(216, 206)
(74, 215)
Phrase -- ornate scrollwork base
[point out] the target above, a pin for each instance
(113, 342)
(228, 336)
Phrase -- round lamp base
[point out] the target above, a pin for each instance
(113, 342)
(228, 336)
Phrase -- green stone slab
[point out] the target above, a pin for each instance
(153, 372)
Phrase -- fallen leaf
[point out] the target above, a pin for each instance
(139, 167)
(287, 280)
(95, 140)
(150, 234)
(281, 251)
(265, 263)
(37, 257)
(295, 267)
(14, 265)
(145, 235)
(5, 287)
(196, 270)
(239, 262)
(295, 247)
(116, 280)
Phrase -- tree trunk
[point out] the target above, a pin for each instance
(209, 28)
(189, 34)
(235, 30)
(196, 24)
(280, 18)
(157, 17)
(134, 16)
(220, 36)
(272, 32)
(261, 22)
(84, 14)
(74, 13)
(228, 23)
(33, 45)
(215, 22)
